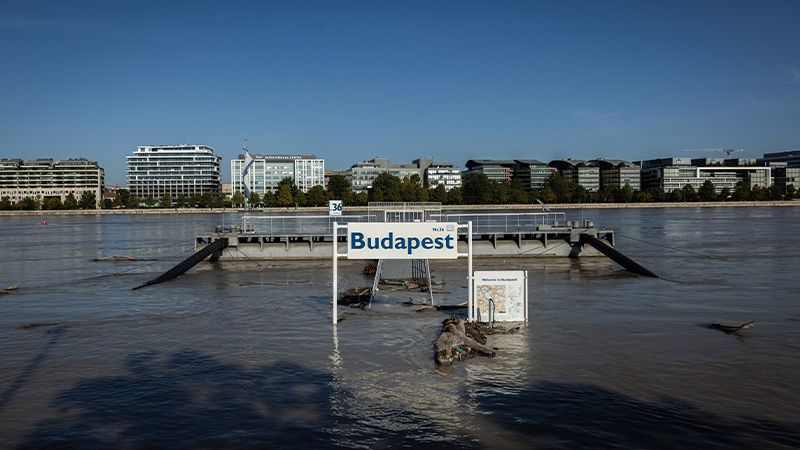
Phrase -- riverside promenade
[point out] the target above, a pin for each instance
(324, 209)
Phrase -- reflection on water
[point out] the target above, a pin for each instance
(243, 353)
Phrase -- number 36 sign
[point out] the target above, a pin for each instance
(335, 207)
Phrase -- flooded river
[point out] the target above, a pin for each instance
(243, 354)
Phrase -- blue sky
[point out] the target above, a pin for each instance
(350, 81)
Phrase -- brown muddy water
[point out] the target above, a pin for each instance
(243, 354)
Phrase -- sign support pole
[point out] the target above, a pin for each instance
(470, 277)
(335, 269)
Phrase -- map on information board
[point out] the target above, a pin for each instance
(500, 296)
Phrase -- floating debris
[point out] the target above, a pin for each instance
(728, 329)
(370, 270)
(461, 339)
(43, 324)
(442, 307)
(9, 289)
(121, 257)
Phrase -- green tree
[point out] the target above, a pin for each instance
(689, 194)
(547, 195)
(612, 194)
(626, 193)
(500, 193)
(517, 194)
(316, 196)
(195, 200)
(477, 189)
(27, 204)
(791, 192)
(181, 201)
(361, 199)
(741, 192)
(133, 201)
(389, 185)
(376, 194)
(150, 201)
(455, 196)
(707, 192)
(439, 194)
(166, 201)
(580, 195)
(285, 197)
(300, 198)
(5, 203)
(88, 200)
(559, 186)
(107, 203)
(676, 195)
(758, 193)
(269, 199)
(124, 196)
(775, 193)
(238, 198)
(289, 181)
(347, 197)
(255, 200)
(338, 185)
(644, 197)
(221, 201)
(206, 200)
(53, 204)
(724, 194)
(659, 195)
(70, 202)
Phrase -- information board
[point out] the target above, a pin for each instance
(334, 207)
(501, 296)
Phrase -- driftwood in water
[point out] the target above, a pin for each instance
(441, 307)
(119, 257)
(9, 289)
(731, 328)
(461, 339)
(370, 270)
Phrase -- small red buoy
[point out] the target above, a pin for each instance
(44, 223)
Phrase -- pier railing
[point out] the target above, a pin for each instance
(505, 223)
(481, 223)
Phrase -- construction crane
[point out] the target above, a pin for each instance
(728, 151)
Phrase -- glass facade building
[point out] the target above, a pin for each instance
(174, 170)
(268, 170)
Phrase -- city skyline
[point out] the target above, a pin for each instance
(351, 81)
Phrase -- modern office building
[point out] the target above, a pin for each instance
(174, 170)
(532, 173)
(268, 170)
(44, 179)
(364, 173)
(785, 176)
(580, 172)
(675, 173)
(791, 158)
(444, 174)
(615, 172)
(498, 170)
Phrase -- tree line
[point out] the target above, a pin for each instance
(477, 190)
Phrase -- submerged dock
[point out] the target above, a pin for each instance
(546, 234)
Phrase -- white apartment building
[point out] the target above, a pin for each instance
(46, 178)
(268, 170)
(174, 170)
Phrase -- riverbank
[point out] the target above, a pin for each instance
(324, 210)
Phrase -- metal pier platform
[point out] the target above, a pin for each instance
(546, 234)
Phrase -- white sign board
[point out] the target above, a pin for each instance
(334, 207)
(402, 240)
(501, 296)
